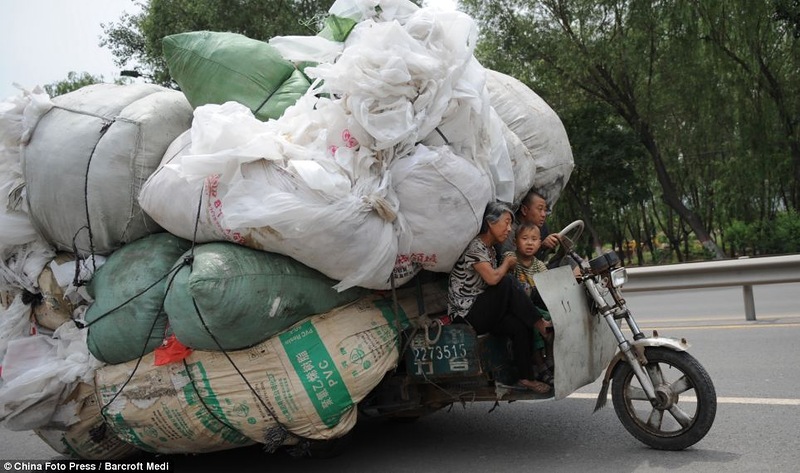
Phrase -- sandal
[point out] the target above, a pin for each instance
(536, 386)
(546, 376)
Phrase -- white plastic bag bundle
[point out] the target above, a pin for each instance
(88, 158)
(19, 115)
(173, 202)
(397, 79)
(320, 205)
(442, 197)
(15, 322)
(385, 10)
(21, 265)
(39, 372)
(538, 127)
(412, 79)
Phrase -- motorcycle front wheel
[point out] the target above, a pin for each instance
(686, 404)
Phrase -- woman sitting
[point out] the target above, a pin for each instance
(488, 299)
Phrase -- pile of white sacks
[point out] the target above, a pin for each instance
(382, 169)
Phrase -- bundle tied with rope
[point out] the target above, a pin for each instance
(306, 380)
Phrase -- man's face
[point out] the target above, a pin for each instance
(536, 211)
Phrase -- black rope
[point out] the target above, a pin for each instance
(141, 355)
(203, 402)
(446, 141)
(82, 325)
(30, 298)
(103, 129)
(188, 261)
(238, 371)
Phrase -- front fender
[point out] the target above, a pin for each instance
(638, 347)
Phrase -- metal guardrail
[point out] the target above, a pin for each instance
(745, 272)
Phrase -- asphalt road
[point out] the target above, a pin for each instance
(754, 366)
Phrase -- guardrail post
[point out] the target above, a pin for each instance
(749, 303)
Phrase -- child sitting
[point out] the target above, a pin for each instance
(528, 241)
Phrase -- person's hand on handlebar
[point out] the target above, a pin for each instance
(551, 241)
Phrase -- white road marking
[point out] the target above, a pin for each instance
(765, 401)
(648, 329)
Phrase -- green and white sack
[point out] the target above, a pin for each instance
(243, 296)
(304, 382)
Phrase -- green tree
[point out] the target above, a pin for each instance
(787, 12)
(135, 40)
(761, 39)
(615, 52)
(74, 81)
(604, 186)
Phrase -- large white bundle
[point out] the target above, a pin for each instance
(442, 198)
(412, 79)
(538, 127)
(88, 158)
(274, 195)
(318, 184)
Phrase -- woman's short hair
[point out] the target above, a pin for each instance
(494, 210)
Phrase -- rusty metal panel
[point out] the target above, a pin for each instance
(584, 344)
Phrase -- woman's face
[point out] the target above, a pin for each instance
(500, 229)
(536, 211)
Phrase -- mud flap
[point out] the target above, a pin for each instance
(584, 344)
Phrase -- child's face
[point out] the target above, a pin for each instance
(528, 241)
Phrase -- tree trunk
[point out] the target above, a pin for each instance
(670, 195)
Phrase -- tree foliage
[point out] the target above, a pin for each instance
(684, 115)
(135, 40)
(707, 88)
(74, 81)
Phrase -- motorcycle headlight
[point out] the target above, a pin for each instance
(619, 277)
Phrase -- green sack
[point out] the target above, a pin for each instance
(244, 296)
(215, 67)
(337, 28)
(126, 318)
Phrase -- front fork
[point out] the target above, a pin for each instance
(631, 355)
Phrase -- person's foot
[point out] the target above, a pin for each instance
(546, 376)
(536, 386)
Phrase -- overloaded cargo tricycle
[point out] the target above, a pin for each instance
(661, 394)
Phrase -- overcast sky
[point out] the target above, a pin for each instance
(41, 41)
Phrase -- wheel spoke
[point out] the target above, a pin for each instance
(683, 418)
(656, 376)
(637, 394)
(654, 421)
(682, 385)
